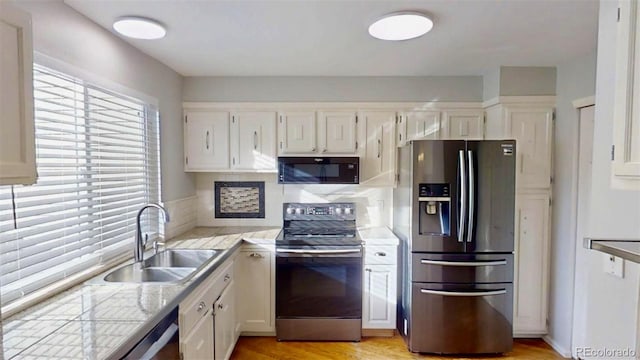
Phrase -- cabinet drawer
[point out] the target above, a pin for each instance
(200, 302)
(380, 255)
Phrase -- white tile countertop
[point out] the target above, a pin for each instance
(104, 321)
(91, 321)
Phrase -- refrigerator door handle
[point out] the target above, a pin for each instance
(463, 263)
(463, 195)
(472, 195)
(464, 293)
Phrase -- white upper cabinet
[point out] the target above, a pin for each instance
(297, 134)
(531, 127)
(17, 144)
(422, 125)
(626, 160)
(253, 140)
(378, 150)
(206, 140)
(463, 125)
(337, 132)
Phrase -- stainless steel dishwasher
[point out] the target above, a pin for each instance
(162, 342)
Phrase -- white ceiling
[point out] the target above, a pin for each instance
(329, 38)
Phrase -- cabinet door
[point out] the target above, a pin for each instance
(225, 323)
(198, 344)
(422, 125)
(378, 154)
(531, 264)
(17, 144)
(626, 121)
(206, 140)
(531, 127)
(379, 298)
(253, 140)
(463, 125)
(337, 130)
(297, 132)
(255, 299)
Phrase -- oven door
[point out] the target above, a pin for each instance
(319, 283)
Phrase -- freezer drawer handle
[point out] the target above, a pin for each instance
(296, 251)
(463, 263)
(464, 294)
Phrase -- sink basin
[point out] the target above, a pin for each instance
(179, 258)
(169, 266)
(134, 274)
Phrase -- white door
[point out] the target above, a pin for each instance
(253, 135)
(199, 343)
(206, 140)
(297, 132)
(379, 299)
(463, 125)
(225, 324)
(378, 150)
(585, 159)
(422, 125)
(254, 271)
(532, 129)
(337, 130)
(17, 144)
(531, 264)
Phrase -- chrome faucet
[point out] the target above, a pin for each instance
(138, 250)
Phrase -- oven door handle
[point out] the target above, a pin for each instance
(464, 293)
(319, 252)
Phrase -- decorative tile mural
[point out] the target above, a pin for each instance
(239, 199)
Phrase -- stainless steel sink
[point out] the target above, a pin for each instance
(169, 266)
(179, 258)
(132, 273)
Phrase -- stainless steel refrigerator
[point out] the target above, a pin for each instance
(454, 213)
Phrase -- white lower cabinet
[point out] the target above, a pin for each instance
(531, 264)
(225, 323)
(255, 269)
(379, 287)
(206, 317)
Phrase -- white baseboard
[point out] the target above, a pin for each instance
(559, 349)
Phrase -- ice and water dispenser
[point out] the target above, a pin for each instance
(435, 209)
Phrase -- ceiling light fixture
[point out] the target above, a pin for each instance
(401, 26)
(139, 28)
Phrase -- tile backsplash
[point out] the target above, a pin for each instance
(373, 204)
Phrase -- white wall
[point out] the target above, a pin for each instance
(331, 88)
(611, 310)
(63, 34)
(373, 205)
(527, 80)
(576, 79)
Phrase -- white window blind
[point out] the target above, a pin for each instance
(98, 163)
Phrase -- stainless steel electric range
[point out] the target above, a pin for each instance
(319, 273)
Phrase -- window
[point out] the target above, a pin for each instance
(97, 156)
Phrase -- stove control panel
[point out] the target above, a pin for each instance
(298, 211)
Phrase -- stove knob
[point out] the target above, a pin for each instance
(289, 211)
(347, 211)
(338, 211)
(299, 211)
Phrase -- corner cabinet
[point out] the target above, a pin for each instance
(255, 269)
(626, 121)
(378, 152)
(17, 138)
(229, 141)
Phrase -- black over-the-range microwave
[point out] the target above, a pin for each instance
(318, 170)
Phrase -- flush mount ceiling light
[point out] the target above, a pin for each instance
(139, 28)
(401, 26)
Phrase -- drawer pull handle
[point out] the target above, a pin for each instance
(201, 306)
(256, 255)
(463, 263)
(380, 253)
(227, 277)
(464, 293)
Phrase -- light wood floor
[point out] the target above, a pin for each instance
(266, 348)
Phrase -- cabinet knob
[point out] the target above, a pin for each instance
(201, 306)
(220, 306)
(313, 149)
(324, 150)
(367, 269)
(256, 255)
(227, 277)
(380, 253)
